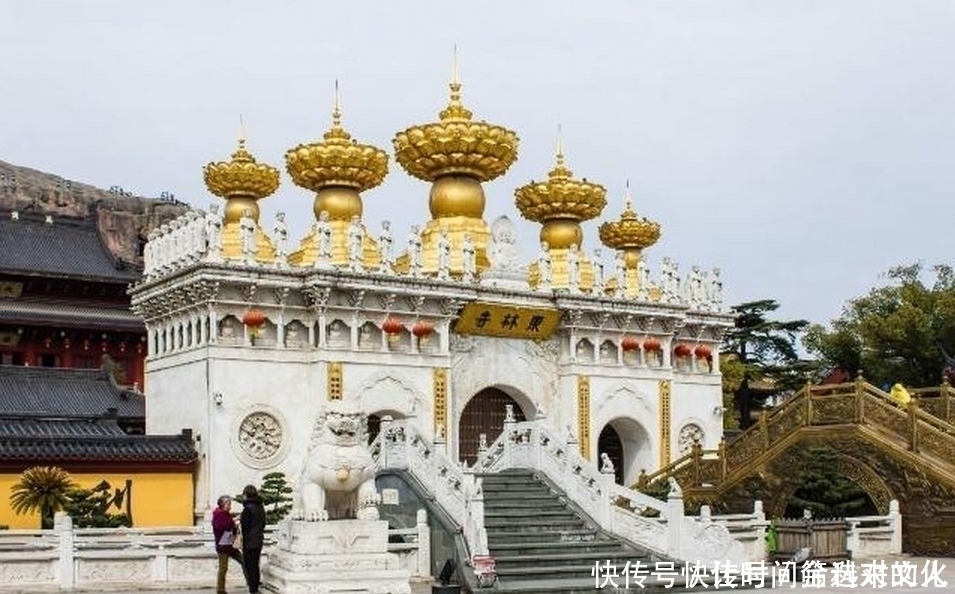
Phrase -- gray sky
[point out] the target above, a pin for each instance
(801, 146)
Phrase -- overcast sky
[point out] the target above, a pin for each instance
(801, 146)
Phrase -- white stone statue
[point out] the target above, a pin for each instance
(502, 249)
(468, 258)
(620, 274)
(598, 266)
(573, 269)
(355, 235)
(280, 236)
(697, 293)
(198, 231)
(674, 282)
(715, 290)
(386, 261)
(323, 240)
(606, 464)
(669, 281)
(338, 480)
(414, 251)
(544, 270)
(444, 254)
(247, 233)
(149, 251)
(643, 273)
(213, 233)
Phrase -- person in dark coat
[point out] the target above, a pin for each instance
(253, 535)
(224, 530)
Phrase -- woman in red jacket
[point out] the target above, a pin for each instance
(225, 531)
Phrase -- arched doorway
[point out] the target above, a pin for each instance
(374, 422)
(484, 413)
(610, 443)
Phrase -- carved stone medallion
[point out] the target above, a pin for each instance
(689, 434)
(260, 439)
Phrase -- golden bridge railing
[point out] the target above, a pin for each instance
(924, 425)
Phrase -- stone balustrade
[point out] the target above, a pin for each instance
(147, 558)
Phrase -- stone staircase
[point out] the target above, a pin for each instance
(542, 544)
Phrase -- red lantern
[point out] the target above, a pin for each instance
(629, 343)
(651, 345)
(422, 329)
(253, 318)
(703, 352)
(682, 350)
(392, 326)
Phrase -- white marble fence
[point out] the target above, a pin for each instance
(147, 558)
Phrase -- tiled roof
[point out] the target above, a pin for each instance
(70, 314)
(67, 247)
(65, 393)
(63, 441)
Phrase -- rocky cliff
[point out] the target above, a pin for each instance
(123, 220)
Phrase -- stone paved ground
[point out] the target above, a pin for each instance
(946, 574)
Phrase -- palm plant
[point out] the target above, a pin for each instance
(43, 489)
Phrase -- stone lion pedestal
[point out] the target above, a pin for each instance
(335, 557)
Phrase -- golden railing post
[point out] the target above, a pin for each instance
(721, 454)
(946, 400)
(860, 390)
(913, 426)
(764, 429)
(808, 403)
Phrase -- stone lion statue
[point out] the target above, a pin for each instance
(338, 477)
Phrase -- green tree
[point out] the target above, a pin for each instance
(826, 491)
(898, 332)
(276, 495)
(91, 508)
(41, 489)
(766, 351)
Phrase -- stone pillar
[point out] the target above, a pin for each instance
(63, 529)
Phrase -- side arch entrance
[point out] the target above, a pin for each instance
(484, 413)
(628, 445)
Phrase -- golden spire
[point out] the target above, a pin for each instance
(456, 154)
(241, 176)
(630, 232)
(337, 169)
(456, 145)
(337, 162)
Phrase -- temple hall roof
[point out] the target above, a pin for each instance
(65, 393)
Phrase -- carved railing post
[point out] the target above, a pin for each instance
(764, 430)
(63, 529)
(697, 464)
(808, 390)
(424, 544)
(946, 400)
(895, 519)
(674, 520)
(859, 392)
(914, 425)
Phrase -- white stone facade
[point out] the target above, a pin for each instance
(252, 397)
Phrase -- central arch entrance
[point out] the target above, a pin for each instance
(484, 413)
(610, 443)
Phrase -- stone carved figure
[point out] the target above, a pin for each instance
(280, 236)
(573, 269)
(323, 239)
(338, 479)
(149, 253)
(643, 273)
(695, 293)
(715, 290)
(214, 232)
(544, 270)
(385, 241)
(414, 252)
(598, 271)
(355, 235)
(620, 275)
(670, 280)
(247, 233)
(606, 464)
(444, 254)
(502, 250)
(468, 258)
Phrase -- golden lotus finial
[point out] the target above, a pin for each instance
(630, 231)
(456, 145)
(560, 196)
(336, 160)
(241, 176)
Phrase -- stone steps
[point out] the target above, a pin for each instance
(542, 544)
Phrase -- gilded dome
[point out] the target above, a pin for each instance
(337, 160)
(560, 196)
(456, 144)
(241, 177)
(630, 231)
